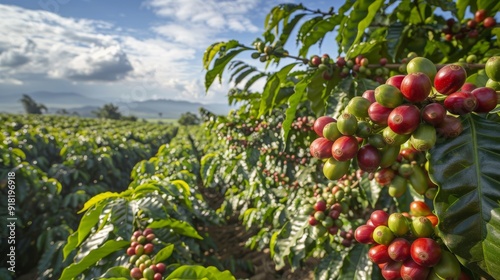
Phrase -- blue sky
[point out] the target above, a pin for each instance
(122, 50)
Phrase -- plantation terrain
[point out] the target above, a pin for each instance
(378, 162)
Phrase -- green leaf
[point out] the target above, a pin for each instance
(488, 5)
(357, 265)
(18, 152)
(468, 202)
(70, 244)
(479, 79)
(330, 266)
(177, 226)
(317, 32)
(88, 221)
(279, 13)
(462, 6)
(195, 272)
(367, 20)
(349, 32)
(93, 257)
(96, 199)
(293, 102)
(272, 88)
(214, 49)
(218, 67)
(116, 272)
(164, 254)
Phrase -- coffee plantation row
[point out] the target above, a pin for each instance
(380, 163)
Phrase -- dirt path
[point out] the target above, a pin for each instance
(230, 240)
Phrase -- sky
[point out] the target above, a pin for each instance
(122, 50)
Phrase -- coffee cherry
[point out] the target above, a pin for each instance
(378, 113)
(392, 270)
(425, 252)
(411, 270)
(416, 87)
(379, 217)
(320, 123)
(136, 273)
(492, 68)
(433, 113)
(157, 276)
(395, 81)
(345, 148)
(480, 15)
(358, 106)
(460, 103)
(312, 221)
(331, 131)
(368, 158)
(398, 223)
(131, 251)
(422, 65)
(370, 95)
(320, 205)
(399, 249)
(404, 119)
(422, 227)
(148, 248)
(486, 98)
(423, 138)
(147, 231)
(489, 22)
(384, 176)
(449, 79)
(378, 254)
(398, 186)
(419, 208)
(321, 148)
(334, 169)
(364, 234)
(448, 267)
(388, 96)
(450, 127)
(347, 124)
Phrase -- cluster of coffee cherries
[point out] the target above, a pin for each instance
(470, 29)
(355, 67)
(140, 251)
(407, 170)
(404, 245)
(412, 108)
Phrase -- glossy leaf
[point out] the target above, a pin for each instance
(179, 227)
(94, 256)
(192, 272)
(468, 201)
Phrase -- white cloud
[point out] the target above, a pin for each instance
(97, 64)
(161, 62)
(199, 21)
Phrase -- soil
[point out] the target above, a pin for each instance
(249, 264)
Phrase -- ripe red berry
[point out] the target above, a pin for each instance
(345, 148)
(449, 79)
(486, 98)
(378, 254)
(480, 15)
(416, 87)
(425, 252)
(395, 80)
(489, 22)
(320, 205)
(460, 103)
(404, 119)
(364, 234)
(379, 218)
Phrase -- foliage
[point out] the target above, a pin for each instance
(112, 112)
(30, 105)
(373, 30)
(188, 118)
(59, 163)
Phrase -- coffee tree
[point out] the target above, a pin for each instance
(402, 108)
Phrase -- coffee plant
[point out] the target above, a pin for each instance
(405, 113)
(371, 152)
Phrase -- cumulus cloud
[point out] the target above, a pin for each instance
(199, 21)
(98, 64)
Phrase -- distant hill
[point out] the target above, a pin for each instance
(75, 102)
